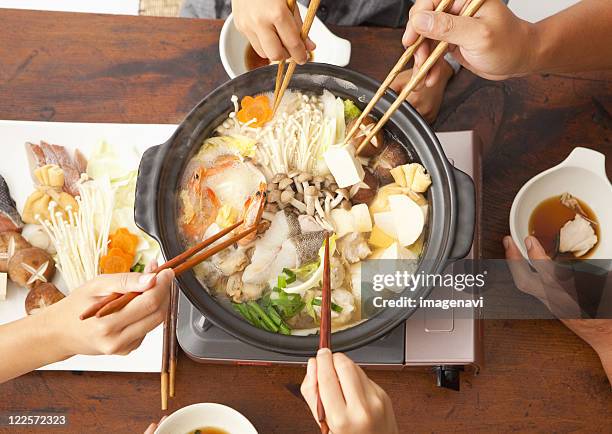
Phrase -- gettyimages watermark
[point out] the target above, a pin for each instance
(498, 289)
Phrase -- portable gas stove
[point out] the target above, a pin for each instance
(431, 337)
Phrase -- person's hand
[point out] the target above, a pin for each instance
(271, 28)
(353, 403)
(118, 333)
(494, 44)
(426, 100)
(552, 289)
(151, 428)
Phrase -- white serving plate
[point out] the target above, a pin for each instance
(134, 138)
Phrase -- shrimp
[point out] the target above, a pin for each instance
(251, 214)
(199, 205)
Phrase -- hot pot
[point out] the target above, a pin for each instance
(450, 225)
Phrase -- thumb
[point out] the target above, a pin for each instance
(454, 29)
(122, 283)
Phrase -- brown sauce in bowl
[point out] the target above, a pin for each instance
(252, 60)
(548, 218)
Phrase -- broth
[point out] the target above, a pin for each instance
(208, 430)
(548, 218)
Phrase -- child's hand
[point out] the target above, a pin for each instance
(118, 333)
(426, 100)
(271, 28)
(353, 403)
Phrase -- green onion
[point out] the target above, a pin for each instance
(243, 311)
(263, 316)
(290, 275)
(138, 268)
(282, 281)
(334, 306)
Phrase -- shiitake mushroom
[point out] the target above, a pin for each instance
(10, 243)
(43, 295)
(366, 195)
(31, 267)
(375, 145)
(392, 155)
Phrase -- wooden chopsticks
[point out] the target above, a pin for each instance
(308, 20)
(169, 350)
(438, 52)
(402, 61)
(325, 326)
(181, 263)
(281, 64)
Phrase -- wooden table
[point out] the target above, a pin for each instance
(538, 375)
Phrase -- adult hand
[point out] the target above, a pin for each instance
(353, 403)
(494, 44)
(426, 100)
(152, 427)
(553, 289)
(118, 333)
(271, 28)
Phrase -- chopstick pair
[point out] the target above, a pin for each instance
(416, 79)
(325, 326)
(181, 263)
(169, 350)
(281, 64)
(284, 83)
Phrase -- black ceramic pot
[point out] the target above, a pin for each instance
(450, 225)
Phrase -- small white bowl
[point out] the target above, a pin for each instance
(206, 414)
(582, 174)
(330, 48)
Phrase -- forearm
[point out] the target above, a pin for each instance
(574, 40)
(28, 344)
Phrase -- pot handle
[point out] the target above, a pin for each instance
(466, 216)
(145, 205)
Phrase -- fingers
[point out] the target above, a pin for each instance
(401, 80)
(150, 266)
(309, 386)
(351, 380)
(329, 385)
(120, 282)
(153, 301)
(134, 333)
(289, 35)
(410, 35)
(458, 30)
(271, 44)
(254, 40)
(525, 280)
(535, 249)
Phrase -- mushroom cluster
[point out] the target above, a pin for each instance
(304, 193)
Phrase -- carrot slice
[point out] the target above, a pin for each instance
(257, 108)
(123, 239)
(116, 261)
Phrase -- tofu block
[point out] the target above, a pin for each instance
(344, 166)
(408, 219)
(343, 221)
(362, 222)
(395, 251)
(385, 222)
(379, 239)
